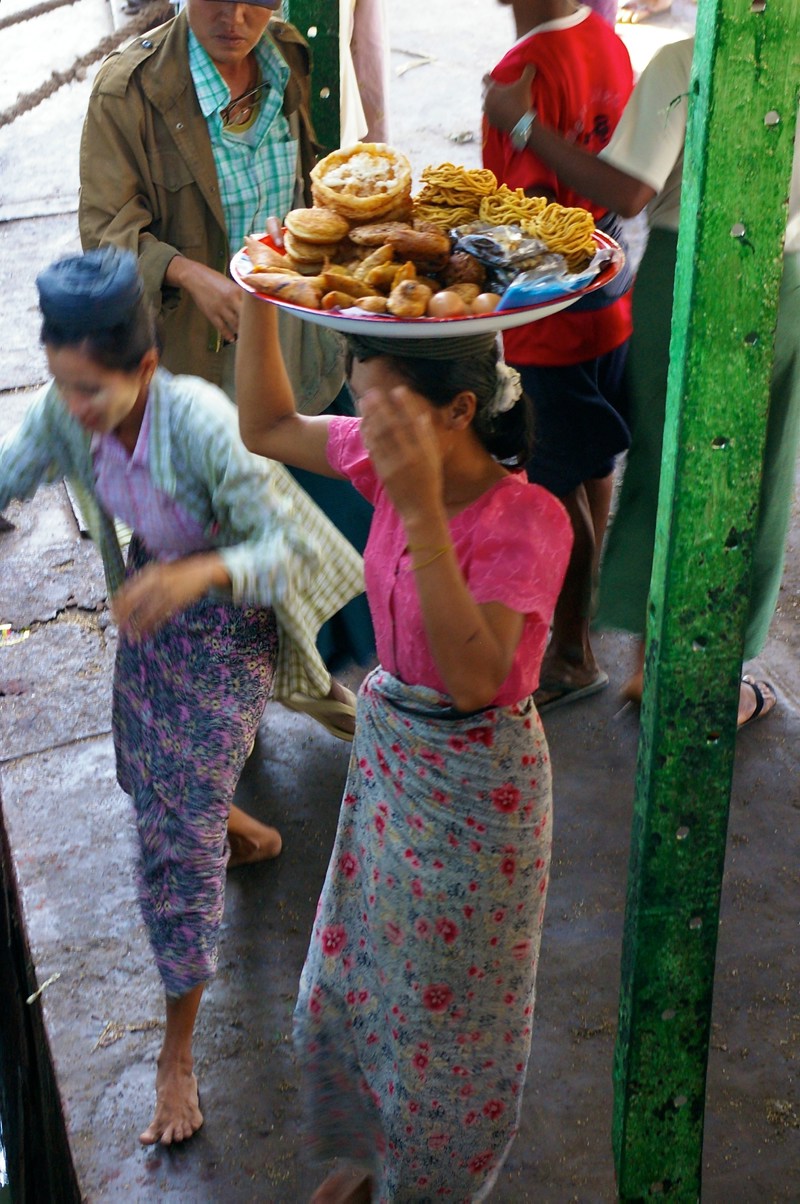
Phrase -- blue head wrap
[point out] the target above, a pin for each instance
(91, 292)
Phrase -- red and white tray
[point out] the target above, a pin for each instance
(355, 321)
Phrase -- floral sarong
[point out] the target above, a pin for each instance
(187, 704)
(413, 1021)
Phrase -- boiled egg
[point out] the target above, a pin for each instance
(485, 303)
(446, 304)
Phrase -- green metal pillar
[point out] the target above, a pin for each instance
(318, 22)
(743, 110)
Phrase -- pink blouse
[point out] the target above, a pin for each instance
(512, 545)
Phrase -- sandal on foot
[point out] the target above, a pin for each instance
(765, 696)
(560, 693)
(326, 711)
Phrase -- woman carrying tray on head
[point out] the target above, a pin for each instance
(413, 1022)
(225, 590)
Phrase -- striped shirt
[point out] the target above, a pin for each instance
(256, 165)
(126, 489)
(280, 550)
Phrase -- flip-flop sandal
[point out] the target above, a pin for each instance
(325, 710)
(563, 694)
(764, 704)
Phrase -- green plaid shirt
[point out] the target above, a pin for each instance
(257, 167)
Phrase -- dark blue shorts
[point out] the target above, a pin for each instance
(580, 423)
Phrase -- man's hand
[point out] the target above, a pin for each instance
(217, 297)
(504, 104)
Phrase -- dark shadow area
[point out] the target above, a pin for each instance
(38, 1158)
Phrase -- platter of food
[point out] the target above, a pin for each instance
(464, 255)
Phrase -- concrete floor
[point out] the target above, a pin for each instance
(69, 830)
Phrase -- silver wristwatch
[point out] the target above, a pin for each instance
(519, 134)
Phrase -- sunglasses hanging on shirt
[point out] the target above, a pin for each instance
(239, 110)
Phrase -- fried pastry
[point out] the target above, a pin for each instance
(334, 300)
(463, 268)
(261, 255)
(287, 287)
(340, 281)
(384, 276)
(407, 271)
(373, 305)
(422, 246)
(375, 234)
(375, 259)
(305, 269)
(308, 252)
(408, 299)
(361, 182)
(433, 284)
(317, 225)
(283, 269)
(403, 211)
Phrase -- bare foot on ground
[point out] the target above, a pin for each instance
(347, 1186)
(177, 1114)
(250, 840)
(632, 690)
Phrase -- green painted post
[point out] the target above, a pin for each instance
(318, 22)
(743, 111)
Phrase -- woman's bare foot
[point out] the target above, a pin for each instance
(177, 1114)
(250, 840)
(632, 690)
(347, 1186)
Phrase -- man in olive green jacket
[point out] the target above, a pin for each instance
(195, 133)
(149, 178)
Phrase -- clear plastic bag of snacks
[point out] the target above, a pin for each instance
(522, 269)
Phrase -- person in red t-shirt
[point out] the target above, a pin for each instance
(572, 362)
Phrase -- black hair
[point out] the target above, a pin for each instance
(508, 436)
(120, 348)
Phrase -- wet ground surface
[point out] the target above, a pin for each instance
(70, 831)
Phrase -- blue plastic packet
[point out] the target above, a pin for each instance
(521, 268)
(532, 287)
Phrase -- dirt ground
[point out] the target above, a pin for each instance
(70, 830)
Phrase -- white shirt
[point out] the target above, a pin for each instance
(649, 139)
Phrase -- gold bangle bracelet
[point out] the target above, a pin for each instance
(439, 552)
